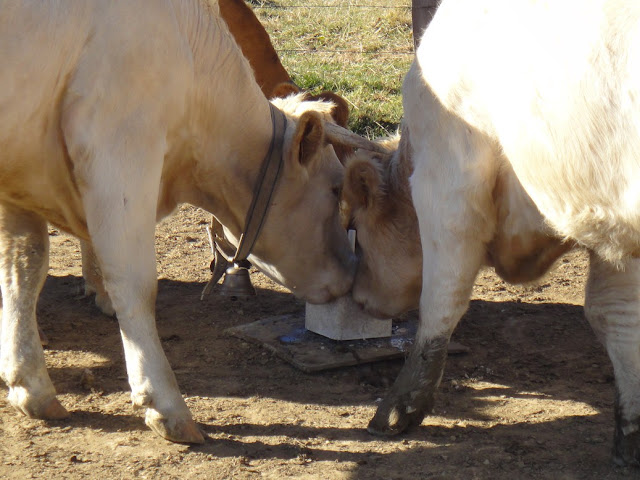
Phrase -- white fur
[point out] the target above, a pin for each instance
(112, 113)
(552, 88)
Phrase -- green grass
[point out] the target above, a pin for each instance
(359, 53)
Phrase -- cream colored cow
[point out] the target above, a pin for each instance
(113, 113)
(521, 139)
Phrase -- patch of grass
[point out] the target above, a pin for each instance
(359, 53)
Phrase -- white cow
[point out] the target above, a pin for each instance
(111, 114)
(521, 139)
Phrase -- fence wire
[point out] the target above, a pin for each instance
(284, 7)
(345, 52)
(255, 5)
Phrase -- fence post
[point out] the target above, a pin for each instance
(422, 12)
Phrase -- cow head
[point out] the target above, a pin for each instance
(303, 244)
(377, 198)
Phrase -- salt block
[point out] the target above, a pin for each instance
(343, 319)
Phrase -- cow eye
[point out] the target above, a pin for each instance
(337, 191)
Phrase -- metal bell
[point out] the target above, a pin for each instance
(237, 282)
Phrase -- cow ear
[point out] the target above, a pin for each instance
(284, 89)
(340, 111)
(308, 140)
(362, 183)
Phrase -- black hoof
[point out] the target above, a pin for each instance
(626, 442)
(626, 451)
(394, 416)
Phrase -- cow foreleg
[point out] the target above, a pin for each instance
(123, 241)
(612, 306)
(454, 228)
(447, 283)
(119, 184)
(93, 282)
(412, 394)
(24, 255)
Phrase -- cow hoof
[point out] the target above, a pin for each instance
(393, 418)
(50, 409)
(54, 411)
(103, 302)
(626, 452)
(174, 429)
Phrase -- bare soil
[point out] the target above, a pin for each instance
(532, 399)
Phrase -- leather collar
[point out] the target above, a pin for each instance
(264, 188)
(263, 191)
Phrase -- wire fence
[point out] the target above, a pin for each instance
(358, 50)
(258, 5)
(267, 5)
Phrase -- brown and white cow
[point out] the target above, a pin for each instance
(518, 143)
(113, 113)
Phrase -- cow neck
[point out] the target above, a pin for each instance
(264, 187)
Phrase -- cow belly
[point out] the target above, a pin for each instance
(61, 211)
(36, 173)
(42, 183)
(523, 247)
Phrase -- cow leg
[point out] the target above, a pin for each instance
(612, 306)
(443, 301)
(119, 179)
(412, 394)
(93, 282)
(123, 241)
(24, 256)
(455, 214)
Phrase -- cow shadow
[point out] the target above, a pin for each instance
(515, 345)
(518, 350)
(507, 451)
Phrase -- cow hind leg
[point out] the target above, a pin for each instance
(612, 306)
(24, 252)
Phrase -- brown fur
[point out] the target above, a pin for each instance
(523, 254)
(377, 201)
(271, 76)
(255, 44)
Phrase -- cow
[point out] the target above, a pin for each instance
(112, 114)
(272, 77)
(274, 81)
(255, 44)
(518, 143)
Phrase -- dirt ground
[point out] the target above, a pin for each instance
(532, 399)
